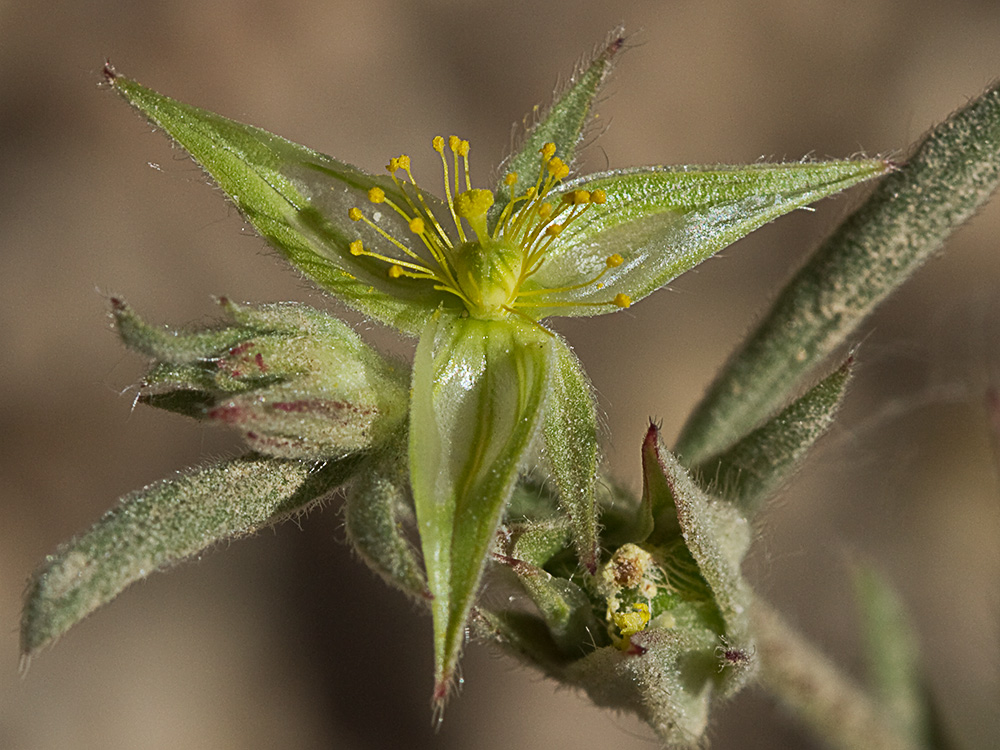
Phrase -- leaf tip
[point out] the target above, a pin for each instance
(109, 72)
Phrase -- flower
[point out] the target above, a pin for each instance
(474, 275)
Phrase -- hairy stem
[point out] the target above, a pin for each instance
(810, 685)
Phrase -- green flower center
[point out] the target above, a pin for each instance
(486, 269)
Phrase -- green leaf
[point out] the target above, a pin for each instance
(749, 472)
(375, 511)
(663, 221)
(298, 199)
(565, 121)
(478, 393)
(904, 221)
(163, 524)
(571, 448)
(893, 655)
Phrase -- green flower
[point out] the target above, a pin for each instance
(475, 274)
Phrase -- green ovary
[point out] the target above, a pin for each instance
(489, 274)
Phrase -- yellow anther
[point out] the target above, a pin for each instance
(404, 162)
(357, 248)
(510, 179)
(395, 271)
(438, 144)
(548, 151)
(555, 165)
(463, 148)
(354, 214)
(581, 196)
(376, 195)
(392, 166)
(417, 225)
(545, 210)
(623, 300)
(553, 229)
(454, 142)
(615, 260)
(598, 196)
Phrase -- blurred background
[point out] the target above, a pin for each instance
(285, 638)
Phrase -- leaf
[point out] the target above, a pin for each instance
(478, 393)
(893, 657)
(298, 199)
(571, 448)
(749, 472)
(161, 525)
(906, 219)
(663, 221)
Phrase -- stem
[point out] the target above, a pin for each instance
(809, 684)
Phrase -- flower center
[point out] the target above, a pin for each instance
(485, 269)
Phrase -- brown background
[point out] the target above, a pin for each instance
(285, 639)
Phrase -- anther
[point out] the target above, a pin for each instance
(355, 214)
(357, 248)
(598, 196)
(615, 260)
(417, 225)
(376, 195)
(623, 300)
(510, 179)
(438, 144)
(548, 151)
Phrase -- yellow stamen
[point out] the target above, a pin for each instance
(486, 269)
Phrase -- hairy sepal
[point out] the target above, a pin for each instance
(478, 395)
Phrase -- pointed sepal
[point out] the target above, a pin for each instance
(478, 394)
(571, 448)
(298, 199)
(377, 511)
(663, 221)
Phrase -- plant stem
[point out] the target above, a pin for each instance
(809, 684)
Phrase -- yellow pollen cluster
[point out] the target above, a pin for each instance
(522, 233)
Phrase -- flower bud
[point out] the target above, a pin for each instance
(296, 382)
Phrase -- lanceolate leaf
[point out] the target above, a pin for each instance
(479, 389)
(163, 524)
(905, 220)
(758, 464)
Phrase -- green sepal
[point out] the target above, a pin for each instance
(750, 471)
(565, 608)
(571, 449)
(298, 199)
(478, 394)
(718, 538)
(665, 677)
(664, 221)
(564, 122)
(905, 220)
(377, 510)
(534, 542)
(162, 524)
